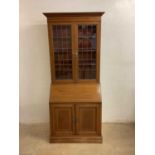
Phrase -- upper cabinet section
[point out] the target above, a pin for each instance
(74, 41)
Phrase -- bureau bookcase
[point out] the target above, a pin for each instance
(75, 98)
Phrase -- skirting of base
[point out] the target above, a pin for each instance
(92, 139)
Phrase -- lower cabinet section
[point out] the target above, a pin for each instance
(75, 122)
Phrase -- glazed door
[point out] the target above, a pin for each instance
(87, 51)
(88, 119)
(61, 49)
(62, 119)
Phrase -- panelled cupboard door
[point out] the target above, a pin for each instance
(62, 118)
(88, 119)
(61, 49)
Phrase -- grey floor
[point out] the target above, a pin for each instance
(118, 139)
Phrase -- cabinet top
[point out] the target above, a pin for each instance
(72, 14)
(63, 93)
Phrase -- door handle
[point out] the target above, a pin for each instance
(75, 54)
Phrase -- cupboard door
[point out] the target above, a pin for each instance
(87, 51)
(88, 119)
(62, 119)
(62, 51)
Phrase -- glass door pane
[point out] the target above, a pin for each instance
(62, 44)
(87, 51)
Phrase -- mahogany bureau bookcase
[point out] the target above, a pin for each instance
(75, 98)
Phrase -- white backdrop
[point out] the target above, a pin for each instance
(117, 57)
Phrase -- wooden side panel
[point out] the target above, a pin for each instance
(88, 117)
(62, 119)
